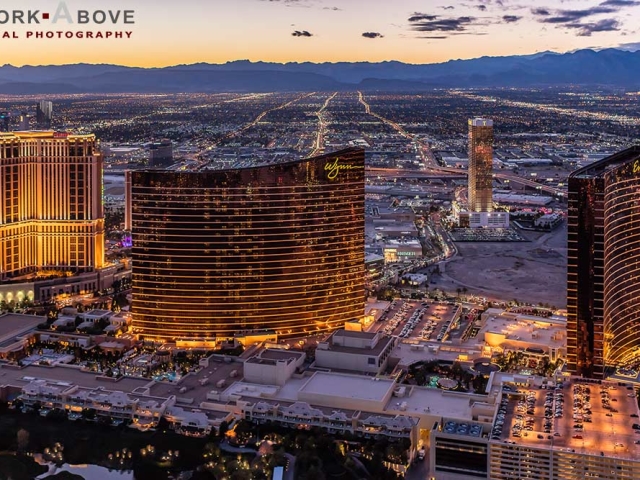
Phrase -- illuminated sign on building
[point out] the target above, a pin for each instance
(334, 167)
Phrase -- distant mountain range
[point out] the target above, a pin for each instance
(610, 67)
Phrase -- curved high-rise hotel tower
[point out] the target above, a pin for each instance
(603, 299)
(276, 247)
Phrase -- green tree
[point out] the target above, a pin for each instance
(222, 429)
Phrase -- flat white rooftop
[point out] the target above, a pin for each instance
(432, 401)
(348, 386)
(245, 389)
(15, 324)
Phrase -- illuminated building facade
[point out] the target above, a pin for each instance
(161, 154)
(24, 122)
(480, 196)
(50, 204)
(603, 280)
(44, 114)
(278, 247)
(5, 120)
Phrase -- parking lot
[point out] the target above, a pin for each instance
(486, 235)
(581, 417)
(531, 414)
(416, 320)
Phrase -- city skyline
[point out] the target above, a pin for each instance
(324, 31)
(367, 271)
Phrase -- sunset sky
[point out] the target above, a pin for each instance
(170, 32)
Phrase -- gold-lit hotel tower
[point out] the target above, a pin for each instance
(51, 216)
(480, 165)
(274, 248)
(603, 266)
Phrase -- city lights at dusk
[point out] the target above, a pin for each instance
(317, 239)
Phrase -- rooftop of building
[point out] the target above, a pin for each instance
(480, 122)
(195, 416)
(348, 386)
(432, 401)
(97, 313)
(405, 242)
(253, 163)
(354, 334)
(608, 433)
(19, 377)
(13, 325)
(272, 356)
(462, 428)
(378, 348)
(534, 330)
(602, 166)
(43, 134)
(377, 308)
(197, 385)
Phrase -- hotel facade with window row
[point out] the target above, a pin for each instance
(278, 247)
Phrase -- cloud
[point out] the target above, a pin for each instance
(570, 16)
(511, 18)
(459, 24)
(448, 7)
(482, 8)
(541, 11)
(302, 33)
(416, 17)
(289, 3)
(500, 3)
(576, 19)
(372, 35)
(620, 3)
(586, 29)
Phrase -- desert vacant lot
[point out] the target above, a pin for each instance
(528, 271)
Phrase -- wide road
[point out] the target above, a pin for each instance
(423, 150)
(318, 145)
(457, 173)
(512, 177)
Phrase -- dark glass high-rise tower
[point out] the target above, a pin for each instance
(277, 247)
(44, 114)
(603, 279)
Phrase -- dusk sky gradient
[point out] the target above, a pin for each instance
(169, 32)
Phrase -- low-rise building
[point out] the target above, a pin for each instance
(402, 250)
(355, 351)
(145, 412)
(273, 367)
(483, 219)
(16, 332)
